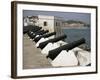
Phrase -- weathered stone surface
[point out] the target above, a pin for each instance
(32, 57)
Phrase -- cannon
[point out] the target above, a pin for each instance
(36, 29)
(31, 28)
(44, 36)
(39, 33)
(30, 33)
(55, 52)
(43, 44)
(34, 33)
(25, 30)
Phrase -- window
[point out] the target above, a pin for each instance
(57, 23)
(45, 23)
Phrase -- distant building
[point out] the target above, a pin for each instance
(30, 20)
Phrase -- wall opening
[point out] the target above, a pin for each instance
(45, 23)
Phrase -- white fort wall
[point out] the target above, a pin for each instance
(58, 23)
(46, 22)
(53, 23)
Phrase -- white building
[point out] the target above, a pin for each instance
(51, 23)
(30, 20)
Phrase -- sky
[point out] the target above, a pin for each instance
(85, 17)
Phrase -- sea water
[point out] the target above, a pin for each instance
(76, 34)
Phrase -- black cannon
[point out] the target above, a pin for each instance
(55, 52)
(33, 34)
(43, 44)
(44, 36)
(40, 33)
(25, 30)
(36, 29)
(31, 28)
(30, 33)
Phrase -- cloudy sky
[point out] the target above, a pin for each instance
(85, 17)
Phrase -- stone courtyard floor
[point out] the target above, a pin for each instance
(32, 56)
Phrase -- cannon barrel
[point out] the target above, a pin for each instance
(25, 30)
(31, 28)
(30, 33)
(36, 29)
(43, 44)
(44, 36)
(55, 52)
(40, 33)
(28, 28)
(43, 32)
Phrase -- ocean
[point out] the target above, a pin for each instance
(76, 34)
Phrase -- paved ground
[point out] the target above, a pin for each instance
(32, 57)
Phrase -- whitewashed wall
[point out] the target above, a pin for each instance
(49, 20)
(58, 23)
